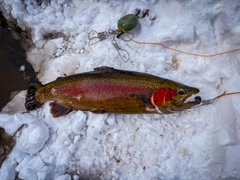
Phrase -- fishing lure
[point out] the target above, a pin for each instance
(126, 23)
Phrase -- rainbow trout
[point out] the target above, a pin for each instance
(110, 90)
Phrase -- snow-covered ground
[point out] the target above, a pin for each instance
(201, 143)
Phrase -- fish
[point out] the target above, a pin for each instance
(109, 90)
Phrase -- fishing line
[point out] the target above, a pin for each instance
(130, 22)
(225, 94)
(177, 50)
(210, 101)
(95, 37)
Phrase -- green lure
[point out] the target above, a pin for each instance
(128, 22)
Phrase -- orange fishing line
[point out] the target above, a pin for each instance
(225, 94)
(176, 50)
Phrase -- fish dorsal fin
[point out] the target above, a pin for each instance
(58, 110)
(104, 69)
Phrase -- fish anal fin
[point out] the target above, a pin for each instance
(58, 110)
(104, 69)
(99, 111)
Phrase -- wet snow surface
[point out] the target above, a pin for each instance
(201, 143)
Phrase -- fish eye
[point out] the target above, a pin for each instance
(181, 92)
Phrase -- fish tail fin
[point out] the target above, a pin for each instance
(30, 102)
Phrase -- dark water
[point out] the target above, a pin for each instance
(12, 57)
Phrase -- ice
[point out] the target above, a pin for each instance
(37, 134)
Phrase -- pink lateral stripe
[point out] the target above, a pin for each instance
(98, 88)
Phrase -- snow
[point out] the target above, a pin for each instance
(201, 143)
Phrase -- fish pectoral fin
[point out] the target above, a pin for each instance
(148, 105)
(104, 69)
(58, 110)
(146, 101)
(99, 111)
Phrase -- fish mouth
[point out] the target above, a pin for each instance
(197, 99)
(186, 105)
(186, 101)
